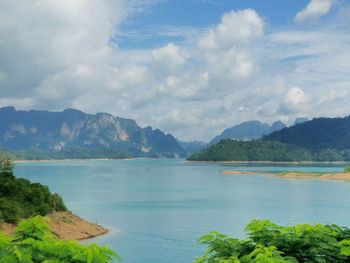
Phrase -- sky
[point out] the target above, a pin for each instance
(189, 67)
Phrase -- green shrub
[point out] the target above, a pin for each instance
(33, 243)
(347, 169)
(268, 242)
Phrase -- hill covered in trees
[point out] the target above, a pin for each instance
(265, 150)
(19, 198)
(321, 139)
(317, 134)
(256, 150)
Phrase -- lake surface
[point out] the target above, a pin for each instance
(156, 209)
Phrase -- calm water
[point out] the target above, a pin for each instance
(156, 209)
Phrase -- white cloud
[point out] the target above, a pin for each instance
(294, 101)
(23, 103)
(127, 77)
(59, 54)
(168, 57)
(315, 9)
(236, 28)
(227, 49)
(55, 49)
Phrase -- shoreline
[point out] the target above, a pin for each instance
(340, 176)
(185, 161)
(71, 160)
(91, 159)
(269, 162)
(67, 226)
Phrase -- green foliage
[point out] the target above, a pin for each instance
(6, 167)
(33, 243)
(268, 242)
(345, 247)
(317, 135)
(255, 150)
(19, 198)
(264, 150)
(347, 169)
(329, 155)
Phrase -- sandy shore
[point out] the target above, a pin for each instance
(67, 226)
(319, 176)
(297, 175)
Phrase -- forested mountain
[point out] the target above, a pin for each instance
(317, 134)
(264, 150)
(247, 131)
(321, 139)
(73, 131)
(255, 150)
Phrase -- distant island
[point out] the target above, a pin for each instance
(320, 140)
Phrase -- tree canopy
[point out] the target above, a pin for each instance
(19, 198)
(6, 167)
(317, 135)
(265, 150)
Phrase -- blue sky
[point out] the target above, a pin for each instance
(184, 14)
(191, 67)
(203, 13)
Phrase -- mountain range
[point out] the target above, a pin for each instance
(74, 134)
(321, 139)
(250, 130)
(61, 131)
(247, 131)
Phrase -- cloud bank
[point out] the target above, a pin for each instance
(58, 54)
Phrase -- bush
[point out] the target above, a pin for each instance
(33, 242)
(347, 169)
(268, 242)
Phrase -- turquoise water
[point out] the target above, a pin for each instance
(156, 209)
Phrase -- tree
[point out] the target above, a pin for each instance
(6, 167)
